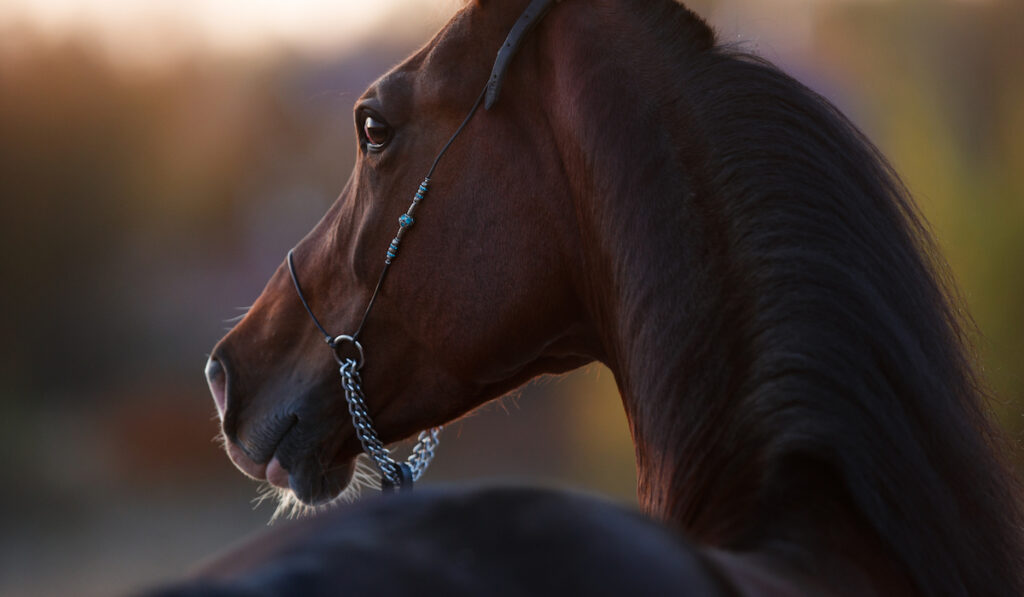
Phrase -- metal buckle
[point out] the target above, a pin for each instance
(338, 342)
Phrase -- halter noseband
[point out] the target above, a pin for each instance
(394, 473)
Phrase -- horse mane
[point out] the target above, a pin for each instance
(855, 347)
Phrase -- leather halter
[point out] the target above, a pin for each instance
(396, 474)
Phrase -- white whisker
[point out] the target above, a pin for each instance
(239, 317)
(289, 507)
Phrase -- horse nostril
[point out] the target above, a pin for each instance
(216, 378)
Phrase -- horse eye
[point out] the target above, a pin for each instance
(376, 132)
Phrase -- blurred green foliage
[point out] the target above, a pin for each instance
(940, 88)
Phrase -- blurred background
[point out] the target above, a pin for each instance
(157, 160)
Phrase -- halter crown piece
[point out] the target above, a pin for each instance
(393, 473)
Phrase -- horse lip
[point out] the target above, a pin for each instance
(256, 467)
(276, 474)
(273, 470)
(242, 462)
(293, 420)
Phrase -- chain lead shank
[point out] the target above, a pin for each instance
(391, 470)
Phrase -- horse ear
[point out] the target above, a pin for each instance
(704, 35)
(699, 35)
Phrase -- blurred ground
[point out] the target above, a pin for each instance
(142, 203)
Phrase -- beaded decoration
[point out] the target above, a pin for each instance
(405, 221)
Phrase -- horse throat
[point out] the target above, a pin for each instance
(682, 364)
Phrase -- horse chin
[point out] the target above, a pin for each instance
(306, 497)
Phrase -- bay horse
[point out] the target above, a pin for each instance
(794, 367)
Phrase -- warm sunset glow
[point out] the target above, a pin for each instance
(157, 29)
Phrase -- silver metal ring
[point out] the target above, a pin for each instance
(340, 341)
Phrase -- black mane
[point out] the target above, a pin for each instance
(854, 345)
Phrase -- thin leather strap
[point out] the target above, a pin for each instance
(298, 290)
(530, 17)
(384, 271)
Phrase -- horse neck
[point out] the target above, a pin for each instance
(707, 415)
(673, 335)
(660, 293)
(789, 367)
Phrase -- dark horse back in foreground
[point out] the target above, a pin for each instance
(794, 371)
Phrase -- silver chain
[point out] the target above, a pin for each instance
(422, 452)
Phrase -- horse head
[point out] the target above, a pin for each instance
(480, 299)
